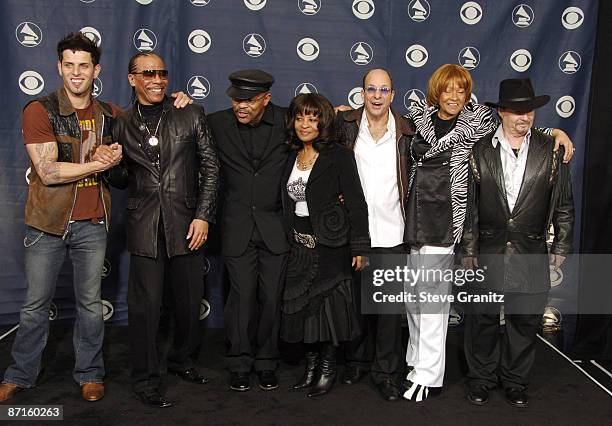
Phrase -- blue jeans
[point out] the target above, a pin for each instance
(85, 242)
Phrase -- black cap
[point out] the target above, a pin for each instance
(248, 83)
(518, 94)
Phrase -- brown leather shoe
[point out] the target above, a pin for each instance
(7, 390)
(92, 391)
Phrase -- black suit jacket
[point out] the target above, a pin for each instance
(250, 195)
(334, 223)
(512, 245)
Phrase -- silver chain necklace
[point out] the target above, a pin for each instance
(153, 140)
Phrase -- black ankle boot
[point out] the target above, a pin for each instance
(325, 375)
(312, 359)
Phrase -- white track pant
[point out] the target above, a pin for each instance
(428, 322)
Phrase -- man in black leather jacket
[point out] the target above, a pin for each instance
(518, 186)
(170, 168)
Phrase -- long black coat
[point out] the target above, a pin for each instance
(334, 223)
(512, 245)
(183, 189)
(250, 195)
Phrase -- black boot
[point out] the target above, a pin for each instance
(325, 375)
(312, 359)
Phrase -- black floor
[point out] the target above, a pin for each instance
(560, 394)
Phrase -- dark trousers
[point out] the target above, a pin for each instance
(184, 275)
(509, 356)
(252, 310)
(379, 346)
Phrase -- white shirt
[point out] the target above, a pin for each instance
(513, 166)
(376, 164)
(296, 188)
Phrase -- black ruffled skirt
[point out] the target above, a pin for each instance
(318, 298)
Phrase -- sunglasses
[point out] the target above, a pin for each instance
(150, 74)
(384, 91)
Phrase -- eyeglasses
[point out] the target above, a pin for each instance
(150, 74)
(384, 91)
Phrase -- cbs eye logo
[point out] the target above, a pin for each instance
(355, 97)
(363, 9)
(53, 311)
(520, 60)
(31, 83)
(471, 13)
(309, 7)
(416, 55)
(304, 88)
(92, 34)
(145, 2)
(308, 49)
(254, 45)
(565, 106)
(198, 87)
(107, 310)
(199, 41)
(204, 309)
(255, 4)
(200, 2)
(572, 18)
(145, 40)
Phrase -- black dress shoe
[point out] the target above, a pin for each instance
(388, 390)
(517, 397)
(192, 375)
(267, 380)
(154, 398)
(240, 381)
(478, 395)
(353, 374)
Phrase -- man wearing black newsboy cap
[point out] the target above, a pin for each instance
(250, 137)
(518, 186)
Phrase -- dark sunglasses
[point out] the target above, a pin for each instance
(150, 74)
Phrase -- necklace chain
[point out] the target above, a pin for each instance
(145, 124)
(305, 165)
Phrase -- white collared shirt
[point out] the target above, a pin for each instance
(376, 163)
(513, 166)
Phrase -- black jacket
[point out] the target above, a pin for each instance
(347, 124)
(185, 187)
(250, 195)
(512, 246)
(334, 223)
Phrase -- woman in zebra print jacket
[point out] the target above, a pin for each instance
(447, 126)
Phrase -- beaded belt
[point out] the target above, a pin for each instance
(307, 240)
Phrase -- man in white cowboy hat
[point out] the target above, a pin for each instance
(518, 186)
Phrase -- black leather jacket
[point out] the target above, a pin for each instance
(185, 186)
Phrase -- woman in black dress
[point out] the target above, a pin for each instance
(326, 218)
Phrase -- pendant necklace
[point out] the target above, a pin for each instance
(153, 140)
(305, 165)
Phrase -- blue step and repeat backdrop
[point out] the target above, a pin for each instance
(322, 46)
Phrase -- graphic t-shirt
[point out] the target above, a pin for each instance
(38, 129)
